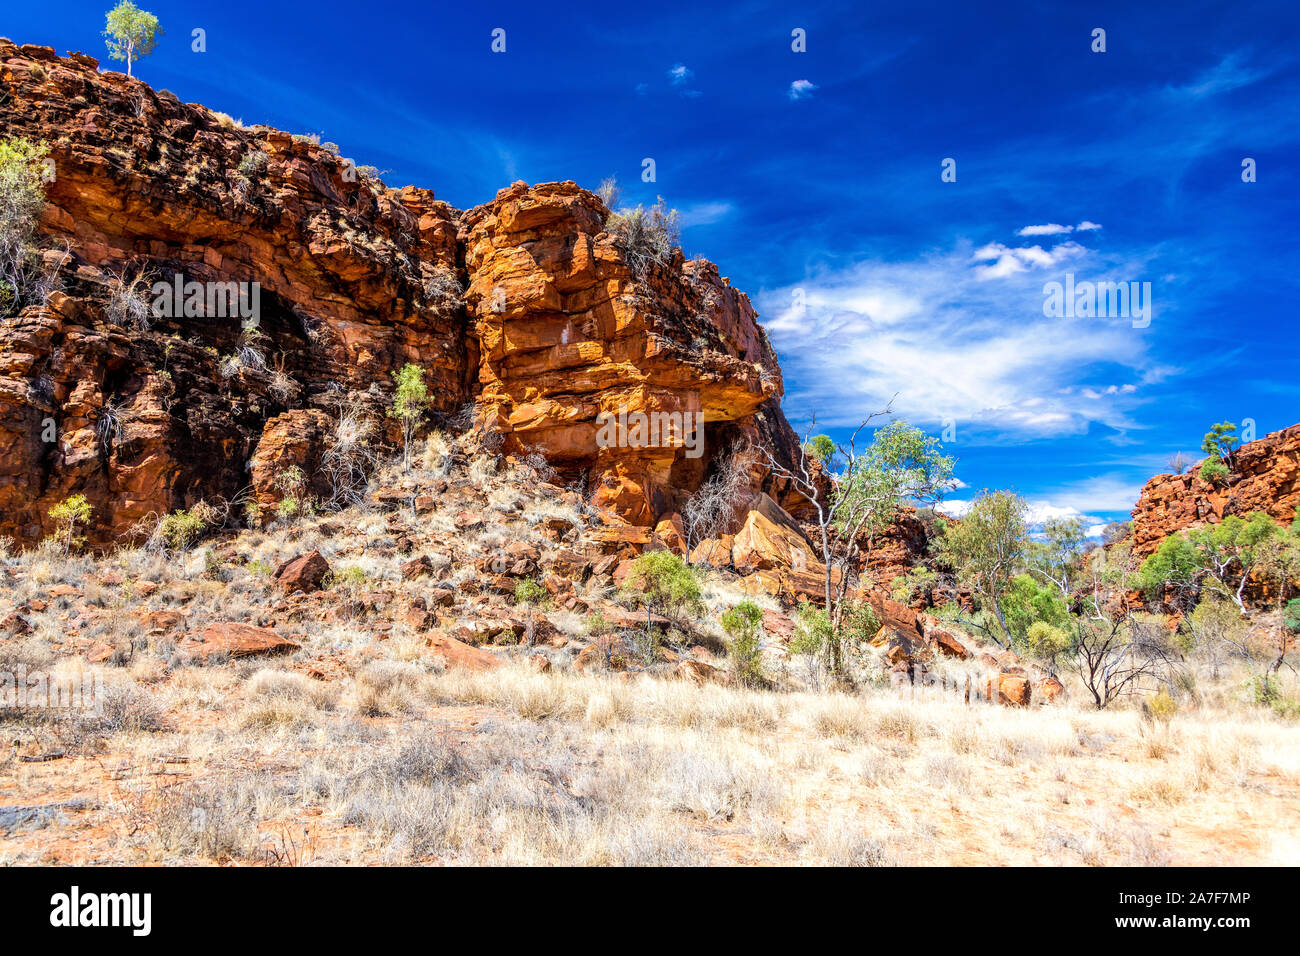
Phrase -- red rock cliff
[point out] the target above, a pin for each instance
(1265, 477)
(356, 280)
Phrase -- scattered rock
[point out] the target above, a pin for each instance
(458, 655)
(417, 568)
(303, 573)
(699, 672)
(237, 640)
(1012, 689)
(1048, 689)
(15, 625)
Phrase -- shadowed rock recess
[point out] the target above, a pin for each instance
(523, 306)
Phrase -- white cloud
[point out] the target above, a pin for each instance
(1050, 229)
(801, 89)
(1088, 226)
(953, 509)
(1107, 493)
(1038, 511)
(1009, 261)
(956, 346)
(680, 74)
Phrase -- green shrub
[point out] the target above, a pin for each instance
(292, 485)
(1176, 562)
(1214, 472)
(67, 515)
(745, 642)
(351, 578)
(1047, 641)
(907, 587)
(812, 632)
(1291, 616)
(664, 584)
(529, 592)
(410, 399)
(22, 197)
(180, 529)
(597, 625)
(1027, 601)
(1161, 706)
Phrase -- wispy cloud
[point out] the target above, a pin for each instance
(959, 341)
(1050, 229)
(680, 74)
(703, 214)
(1227, 75)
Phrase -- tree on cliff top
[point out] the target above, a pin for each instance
(131, 33)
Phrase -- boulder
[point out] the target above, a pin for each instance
(417, 568)
(698, 672)
(609, 653)
(1048, 689)
(15, 625)
(236, 640)
(771, 539)
(303, 573)
(1011, 689)
(714, 552)
(457, 655)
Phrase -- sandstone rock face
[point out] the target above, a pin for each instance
(354, 280)
(1265, 477)
(569, 337)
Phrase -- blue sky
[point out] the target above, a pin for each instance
(815, 177)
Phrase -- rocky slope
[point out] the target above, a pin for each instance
(356, 280)
(1265, 477)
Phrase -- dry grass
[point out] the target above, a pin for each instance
(393, 758)
(404, 762)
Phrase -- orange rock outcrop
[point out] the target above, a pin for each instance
(524, 305)
(1265, 476)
